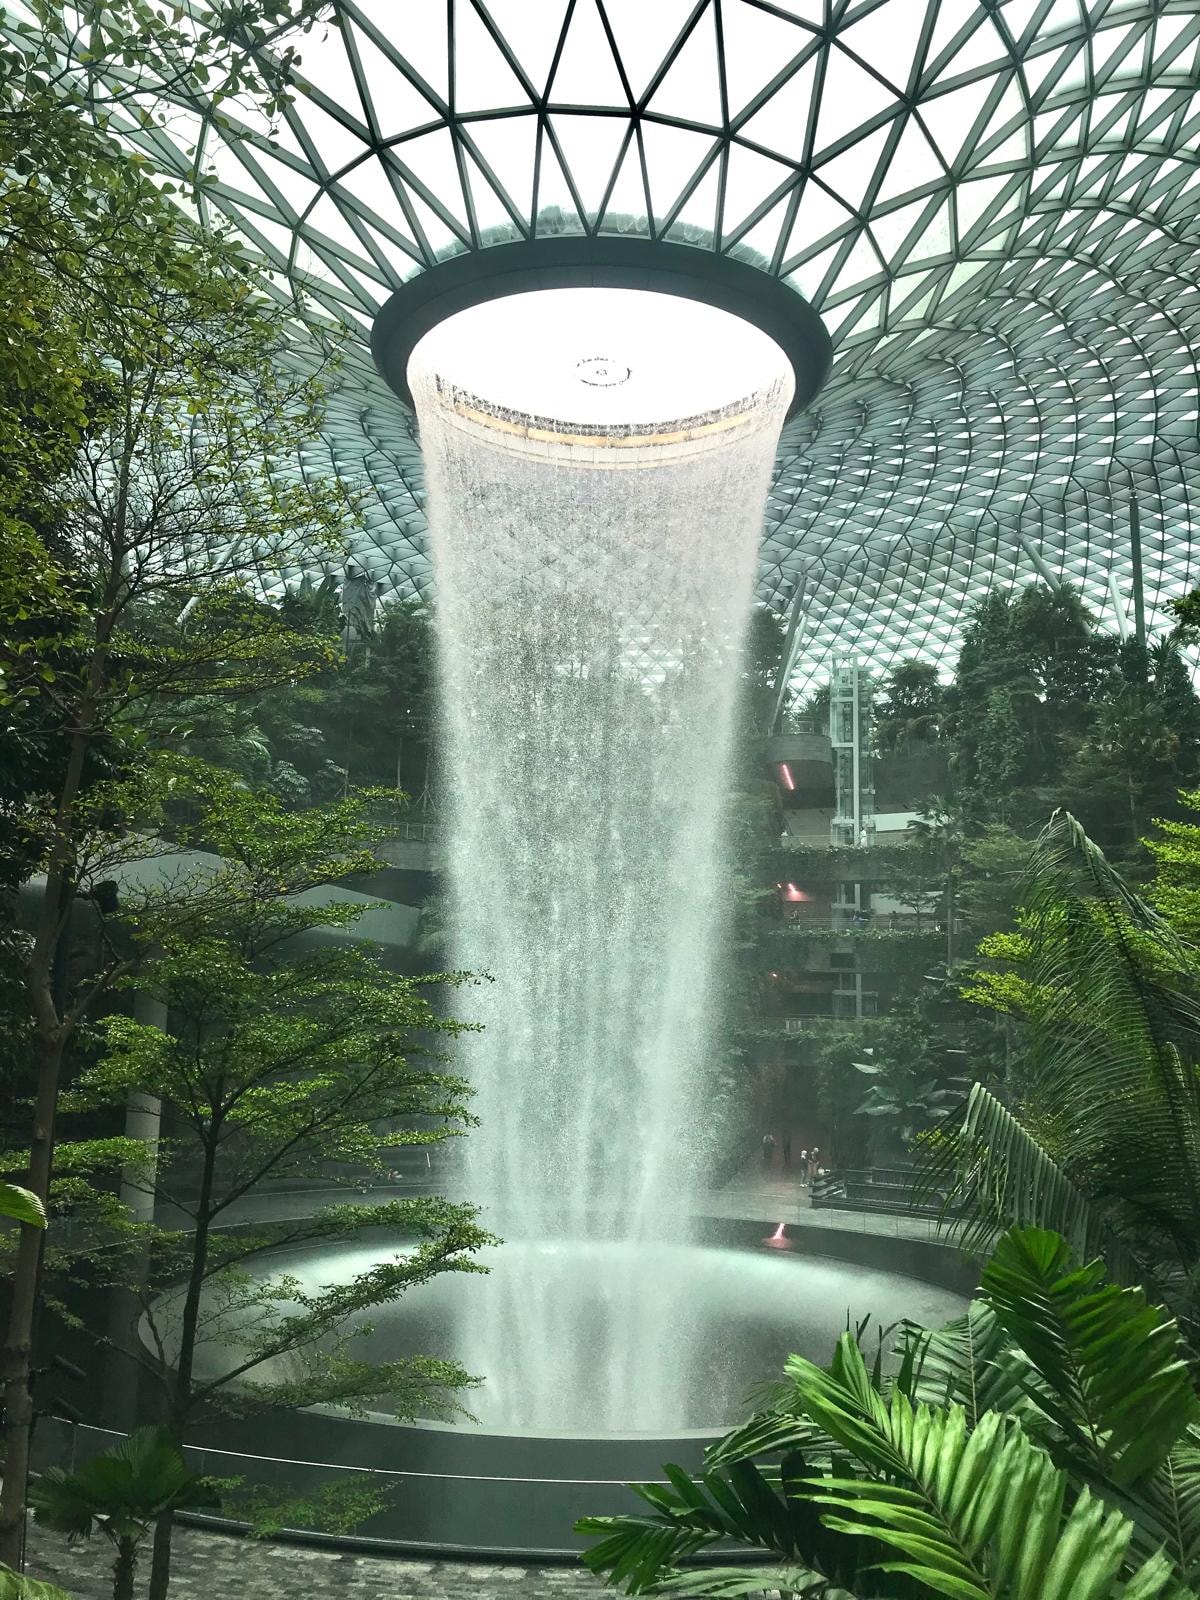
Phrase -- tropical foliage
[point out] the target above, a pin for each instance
(1104, 1145)
(120, 1495)
(1043, 1447)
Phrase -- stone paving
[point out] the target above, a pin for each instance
(216, 1566)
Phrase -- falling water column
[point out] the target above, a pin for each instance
(594, 558)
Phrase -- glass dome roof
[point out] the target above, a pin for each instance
(992, 204)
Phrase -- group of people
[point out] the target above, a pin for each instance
(809, 1164)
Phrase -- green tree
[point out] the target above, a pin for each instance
(941, 831)
(167, 507)
(291, 1047)
(1031, 669)
(120, 1495)
(910, 707)
(1103, 1142)
(1000, 756)
(1127, 762)
(1042, 1448)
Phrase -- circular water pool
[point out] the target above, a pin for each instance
(543, 1448)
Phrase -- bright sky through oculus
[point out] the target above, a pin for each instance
(992, 205)
(595, 356)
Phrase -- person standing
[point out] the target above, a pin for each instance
(803, 1167)
(768, 1148)
(814, 1163)
(787, 1147)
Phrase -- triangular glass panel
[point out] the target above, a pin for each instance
(887, 39)
(628, 197)
(556, 209)
(336, 145)
(430, 157)
(276, 239)
(327, 219)
(1171, 34)
(750, 179)
(1112, 46)
(591, 148)
(644, 34)
(960, 275)
(531, 29)
(397, 105)
(368, 183)
(936, 239)
(1009, 113)
(891, 231)
(323, 62)
(424, 41)
(763, 238)
(819, 215)
(810, 11)
(691, 88)
(950, 117)
(586, 74)
(782, 122)
(441, 239)
(697, 219)
(851, 174)
(1040, 69)
(507, 145)
(954, 18)
(973, 199)
(913, 164)
(395, 253)
(490, 211)
(297, 189)
(673, 156)
(483, 79)
(756, 45)
(860, 265)
(850, 96)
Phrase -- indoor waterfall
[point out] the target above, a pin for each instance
(596, 477)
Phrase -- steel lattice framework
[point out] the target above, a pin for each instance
(992, 203)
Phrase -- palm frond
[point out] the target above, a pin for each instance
(972, 1515)
(15, 1587)
(730, 1583)
(1165, 1508)
(961, 1364)
(1111, 1367)
(1115, 1032)
(741, 1504)
(767, 1433)
(989, 1174)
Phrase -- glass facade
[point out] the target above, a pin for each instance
(992, 206)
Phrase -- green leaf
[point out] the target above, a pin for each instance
(1113, 1373)
(22, 1205)
(15, 1587)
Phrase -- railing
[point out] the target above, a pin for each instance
(420, 832)
(456, 1512)
(879, 1189)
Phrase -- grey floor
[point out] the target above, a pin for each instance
(213, 1566)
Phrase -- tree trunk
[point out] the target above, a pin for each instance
(949, 919)
(123, 1569)
(16, 1356)
(160, 1558)
(160, 1564)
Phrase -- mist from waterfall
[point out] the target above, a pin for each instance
(591, 609)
